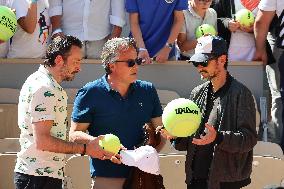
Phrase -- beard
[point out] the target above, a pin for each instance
(67, 75)
(207, 77)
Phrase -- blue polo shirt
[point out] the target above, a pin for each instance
(108, 112)
(156, 18)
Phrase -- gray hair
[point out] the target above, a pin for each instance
(114, 47)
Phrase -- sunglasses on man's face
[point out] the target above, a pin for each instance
(203, 64)
(132, 62)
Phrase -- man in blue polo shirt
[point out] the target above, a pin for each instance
(116, 103)
(155, 25)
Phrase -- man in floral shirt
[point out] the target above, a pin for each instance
(42, 118)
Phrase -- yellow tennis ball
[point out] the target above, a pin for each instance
(181, 117)
(205, 29)
(110, 143)
(8, 23)
(245, 17)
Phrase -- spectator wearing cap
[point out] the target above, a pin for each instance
(219, 155)
(240, 39)
(155, 26)
(92, 21)
(32, 36)
(198, 13)
(116, 103)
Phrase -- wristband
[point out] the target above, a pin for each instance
(142, 49)
(58, 30)
(84, 151)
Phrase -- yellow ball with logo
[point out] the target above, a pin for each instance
(181, 117)
(245, 17)
(8, 23)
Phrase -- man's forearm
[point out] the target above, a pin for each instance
(260, 33)
(28, 23)
(135, 30)
(80, 137)
(116, 32)
(56, 22)
(178, 22)
(52, 144)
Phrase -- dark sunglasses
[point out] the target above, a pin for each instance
(132, 62)
(205, 63)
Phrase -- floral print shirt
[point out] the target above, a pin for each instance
(41, 98)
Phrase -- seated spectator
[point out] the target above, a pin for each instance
(155, 26)
(240, 39)
(95, 23)
(32, 36)
(198, 13)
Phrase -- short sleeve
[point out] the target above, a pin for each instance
(181, 5)
(82, 110)
(131, 6)
(267, 5)
(21, 7)
(43, 105)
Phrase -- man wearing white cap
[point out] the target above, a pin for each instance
(220, 152)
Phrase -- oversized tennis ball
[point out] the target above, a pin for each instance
(8, 23)
(110, 143)
(181, 117)
(245, 17)
(205, 29)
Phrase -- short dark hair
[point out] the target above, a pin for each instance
(60, 45)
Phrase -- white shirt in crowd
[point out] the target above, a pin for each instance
(94, 20)
(273, 5)
(242, 44)
(41, 98)
(25, 45)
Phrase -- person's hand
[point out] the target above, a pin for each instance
(260, 56)
(208, 138)
(57, 34)
(164, 133)
(163, 55)
(247, 29)
(116, 159)
(233, 25)
(145, 56)
(94, 150)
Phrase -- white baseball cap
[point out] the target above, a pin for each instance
(145, 158)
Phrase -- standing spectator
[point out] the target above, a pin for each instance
(220, 154)
(198, 13)
(240, 39)
(267, 10)
(116, 103)
(42, 118)
(92, 21)
(32, 35)
(4, 45)
(155, 25)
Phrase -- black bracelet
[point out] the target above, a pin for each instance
(84, 151)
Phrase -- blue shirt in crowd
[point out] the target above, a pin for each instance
(156, 18)
(108, 112)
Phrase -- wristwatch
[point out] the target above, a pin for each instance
(170, 45)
